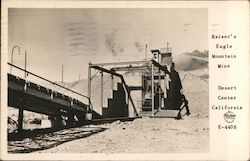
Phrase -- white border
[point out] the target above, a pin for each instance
(233, 11)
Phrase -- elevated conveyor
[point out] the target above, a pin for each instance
(36, 98)
(30, 96)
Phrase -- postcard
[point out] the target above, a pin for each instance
(125, 80)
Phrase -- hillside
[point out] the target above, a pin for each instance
(194, 73)
(190, 61)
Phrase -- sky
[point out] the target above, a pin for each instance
(75, 37)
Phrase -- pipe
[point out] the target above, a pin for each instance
(16, 46)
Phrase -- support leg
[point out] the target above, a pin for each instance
(186, 104)
(101, 101)
(165, 91)
(142, 91)
(20, 120)
(89, 86)
(152, 87)
(159, 90)
(71, 120)
(112, 82)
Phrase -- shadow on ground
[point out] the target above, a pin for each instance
(50, 140)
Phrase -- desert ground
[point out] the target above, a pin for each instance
(143, 135)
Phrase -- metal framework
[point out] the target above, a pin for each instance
(119, 63)
(26, 95)
(113, 73)
(130, 66)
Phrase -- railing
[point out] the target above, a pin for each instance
(53, 83)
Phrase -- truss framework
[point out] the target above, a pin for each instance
(114, 67)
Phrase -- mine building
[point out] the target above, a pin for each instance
(141, 88)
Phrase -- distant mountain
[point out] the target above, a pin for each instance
(202, 54)
(189, 61)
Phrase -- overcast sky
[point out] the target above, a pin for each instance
(74, 37)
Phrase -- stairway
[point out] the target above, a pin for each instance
(116, 105)
(147, 104)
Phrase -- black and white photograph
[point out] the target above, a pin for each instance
(108, 80)
(124, 80)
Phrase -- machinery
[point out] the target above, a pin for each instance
(160, 86)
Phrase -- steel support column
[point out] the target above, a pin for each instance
(159, 90)
(112, 82)
(20, 120)
(142, 91)
(101, 101)
(165, 86)
(89, 85)
(152, 87)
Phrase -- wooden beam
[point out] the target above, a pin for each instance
(163, 68)
(155, 77)
(106, 70)
(120, 63)
(135, 88)
(131, 68)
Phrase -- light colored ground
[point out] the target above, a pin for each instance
(147, 135)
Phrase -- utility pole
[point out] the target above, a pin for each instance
(62, 73)
(25, 65)
(152, 87)
(146, 50)
(168, 48)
